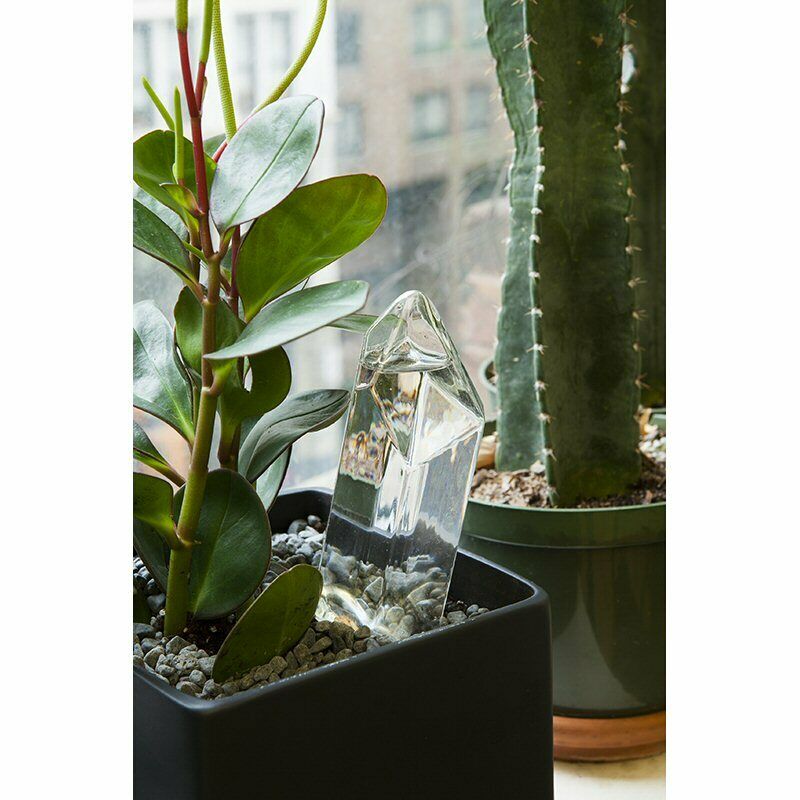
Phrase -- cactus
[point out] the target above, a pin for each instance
(520, 433)
(646, 141)
(581, 390)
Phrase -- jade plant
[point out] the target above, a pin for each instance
(228, 217)
(569, 353)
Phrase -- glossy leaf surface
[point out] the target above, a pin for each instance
(152, 503)
(355, 323)
(266, 159)
(146, 452)
(153, 236)
(295, 315)
(153, 550)
(274, 622)
(269, 483)
(233, 545)
(314, 226)
(153, 158)
(277, 430)
(159, 385)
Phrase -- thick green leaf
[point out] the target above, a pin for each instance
(211, 145)
(269, 484)
(145, 452)
(165, 214)
(189, 328)
(295, 315)
(355, 323)
(153, 236)
(270, 380)
(153, 550)
(234, 544)
(182, 196)
(152, 503)
(159, 385)
(274, 622)
(153, 158)
(314, 226)
(269, 155)
(277, 430)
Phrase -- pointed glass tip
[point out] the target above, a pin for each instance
(408, 336)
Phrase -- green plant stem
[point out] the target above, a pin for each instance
(177, 169)
(178, 581)
(177, 602)
(205, 43)
(301, 59)
(225, 94)
(160, 107)
(177, 590)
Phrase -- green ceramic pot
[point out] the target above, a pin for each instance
(604, 570)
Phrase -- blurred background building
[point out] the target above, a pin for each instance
(410, 96)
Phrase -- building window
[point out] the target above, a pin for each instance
(478, 108)
(142, 67)
(246, 70)
(431, 28)
(348, 37)
(474, 23)
(350, 131)
(278, 47)
(430, 115)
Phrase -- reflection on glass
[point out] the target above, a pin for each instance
(410, 444)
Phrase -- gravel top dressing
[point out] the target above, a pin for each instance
(186, 662)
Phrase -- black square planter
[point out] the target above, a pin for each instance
(460, 712)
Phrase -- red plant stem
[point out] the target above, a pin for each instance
(197, 144)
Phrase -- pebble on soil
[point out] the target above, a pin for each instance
(186, 666)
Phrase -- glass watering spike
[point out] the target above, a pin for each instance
(413, 429)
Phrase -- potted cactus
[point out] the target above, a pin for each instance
(212, 620)
(583, 83)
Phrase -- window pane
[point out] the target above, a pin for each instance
(245, 65)
(431, 28)
(478, 108)
(279, 44)
(350, 141)
(431, 115)
(348, 37)
(143, 111)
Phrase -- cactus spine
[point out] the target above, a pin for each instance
(646, 141)
(583, 388)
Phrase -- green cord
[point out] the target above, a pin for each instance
(226, 98)
(295, 68)
(158, 104)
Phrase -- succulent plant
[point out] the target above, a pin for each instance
(568, 357)
(240, 234)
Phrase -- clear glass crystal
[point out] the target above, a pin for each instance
(411, 440)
